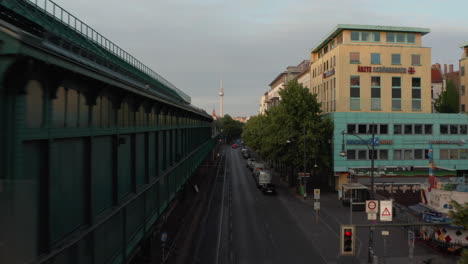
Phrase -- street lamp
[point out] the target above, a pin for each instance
(371, 150)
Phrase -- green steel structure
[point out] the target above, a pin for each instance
(94, 145)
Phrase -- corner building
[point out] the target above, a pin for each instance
(362, 68)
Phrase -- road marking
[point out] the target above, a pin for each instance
(218, 246)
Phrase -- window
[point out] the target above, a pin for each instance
(463, 129)
(462, 70)
(351, 154)
(383, 129)
(409, 38)
(463, 108)
(355, 93)
(453, 129)
(462, 90)
(383, 154)
(365, 36)
(354, 58)
(396, 59)
(351, 128)
(416, 94)
(397, 129)
(415, 59)
(375, 58)
(397, 154)
(418, 154)
(408, 129)
(418, 129)
(375, 93)
(362, 154)
(444, 129)
(396, 93)
(463, 153)
(454, 154)
(408, 154)
(428, 129)
(444, 154)
(362, 129)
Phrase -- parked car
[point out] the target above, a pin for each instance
(258, 166)
(234, 146)
(269, 188)
(245, 153)
(250, 163)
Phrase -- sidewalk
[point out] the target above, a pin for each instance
(332, 214)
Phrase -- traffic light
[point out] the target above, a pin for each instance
(347, 238)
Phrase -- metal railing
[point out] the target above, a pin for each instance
(73, 23)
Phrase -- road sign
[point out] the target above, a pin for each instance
(372, 206)
(316, 206)
(386, 212)
(316, 194)
(411, 238)
(164, 237)
(371, 216)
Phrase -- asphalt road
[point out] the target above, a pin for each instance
(245, 226)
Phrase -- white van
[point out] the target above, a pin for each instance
(257, 167)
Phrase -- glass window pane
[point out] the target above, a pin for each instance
(416, 105)
(351, 128)
(354, 36)
(375, 58)
(396, 93)
(397, 154)
(454, 154)
(428, 129)
(383, 129)
(444, 129)
(354, 81)
(362, 129)
(416, 82)
(397, 130)
(351, 154)
(408, 129)
(453, 129)
(400, 37)
(408, 154)
(396, 104)
(396, 82)
(396, 59)
(375, 81)
(375, 103)
(443, 154)
(355, 104)
(418, 129)
(376, 36)
(362, 154)
(373, 128)
(411, 38)
(355, 92)
(354, 57)
(463, 153)
(365, 36)
(383, 154)
(390, 37)
(416, 93)
(463, 129)
(415, 59)
(418, 154)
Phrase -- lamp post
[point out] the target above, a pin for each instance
(371, 149)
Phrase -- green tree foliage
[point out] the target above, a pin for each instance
(297, 117)
(231, 128)
(448, 101)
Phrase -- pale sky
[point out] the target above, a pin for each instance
(247, 43)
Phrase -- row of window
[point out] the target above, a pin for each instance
(405, 154)
(355, 58)
(355, 93)
(407, 129)
(392, 37)
(324, 67)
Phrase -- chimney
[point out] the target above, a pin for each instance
(445, 68)
(451, 68)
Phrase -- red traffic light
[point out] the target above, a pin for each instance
(348, 233)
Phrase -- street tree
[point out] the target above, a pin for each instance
(448, 100)
(460, 218)
(231, 128)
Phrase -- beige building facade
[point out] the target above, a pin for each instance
(360, 68)
(464, 79)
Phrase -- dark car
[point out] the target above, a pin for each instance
(269, 188)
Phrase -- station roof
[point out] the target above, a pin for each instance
(340, 27)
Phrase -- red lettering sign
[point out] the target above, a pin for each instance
(364, 69)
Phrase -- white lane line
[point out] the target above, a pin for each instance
(218, 246)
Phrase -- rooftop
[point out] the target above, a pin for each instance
(340, 27)
(464, 45)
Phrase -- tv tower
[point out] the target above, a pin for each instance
(221, 95)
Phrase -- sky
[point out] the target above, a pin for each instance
(247, 43)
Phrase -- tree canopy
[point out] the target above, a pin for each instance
(297, 120)
(231, 128)
(460, 217)
(448, 100)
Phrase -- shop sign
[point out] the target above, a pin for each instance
(329, 73)
(384, 69)
(440, 142)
